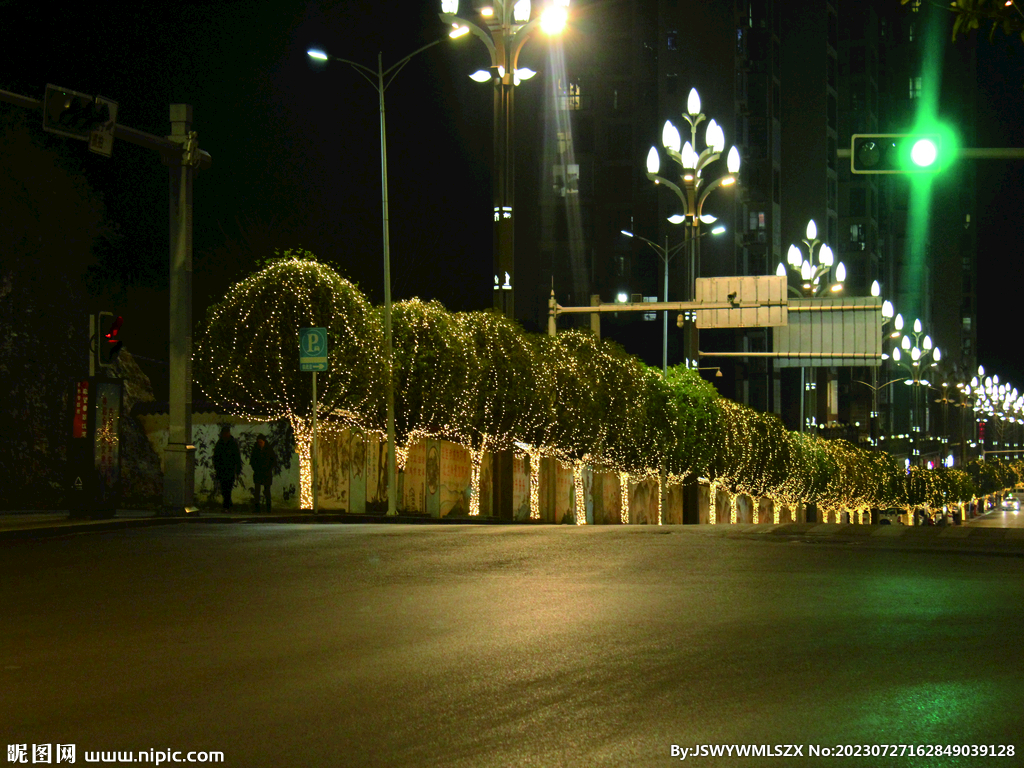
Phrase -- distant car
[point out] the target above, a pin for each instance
(1011, 502)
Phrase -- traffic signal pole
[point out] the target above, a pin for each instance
(179, 455)
(184, 158)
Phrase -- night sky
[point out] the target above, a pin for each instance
(296, 153)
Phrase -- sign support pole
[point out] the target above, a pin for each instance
(312, 457)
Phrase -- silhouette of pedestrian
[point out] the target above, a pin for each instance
(227, 464)
(262, 460)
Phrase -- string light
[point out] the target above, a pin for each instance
(477, 380)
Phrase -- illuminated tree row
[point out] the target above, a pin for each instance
(476, 379)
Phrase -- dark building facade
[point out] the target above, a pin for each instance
(790, 83)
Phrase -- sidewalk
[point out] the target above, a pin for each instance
(37, 524)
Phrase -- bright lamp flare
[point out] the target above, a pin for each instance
(521, 11)
(670, 138)
(554, 19)
(923, 153)
(693, 103)
(732, 162)
(314, 53)
(653, 161)
(794, 257)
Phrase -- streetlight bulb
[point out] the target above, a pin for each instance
(670, 137)
(693, 103)
(458, 31)
(794, 257)
(896, 354)
(805, 270)
(621, 298)
(898, 322)
(981, 370)
(524, 74)
(718, 230)
(521, 11)
(781, 270)
(689, 157)
(653, 161)
(917, 325)
(732, 161)
(315, 53)
(915, 354)
(876, 290)
(714, 136)
(841, 272)
(825, 256)
(905, 342)
(449, 6)
(676, 218)
(554, 19)
(707, 218)
(812, 230)
(480, 76)
(936, 355)
(887, 309)
(627, 234)
(927, 343)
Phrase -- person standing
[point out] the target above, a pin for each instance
(262, 460)
(227, 464)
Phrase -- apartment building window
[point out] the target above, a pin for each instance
(915, 87)
(671, 84)
(672, 39)
(858, 240)
(570, 98)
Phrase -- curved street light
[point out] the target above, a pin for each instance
(380, 79)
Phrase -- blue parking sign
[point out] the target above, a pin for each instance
(313, 349)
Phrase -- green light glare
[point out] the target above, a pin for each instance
(923, 153)
(925, 120)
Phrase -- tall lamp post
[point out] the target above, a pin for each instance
(916, 354)
(665, 254)
(380, 79)
(691, 190)
(816, 274)
(504, 27)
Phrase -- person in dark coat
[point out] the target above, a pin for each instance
(262, 460)
(227, 464)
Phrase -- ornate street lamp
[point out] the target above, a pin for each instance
(504, 27)
(692, 189)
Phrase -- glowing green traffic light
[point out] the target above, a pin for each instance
(898, 153)
(924, 152)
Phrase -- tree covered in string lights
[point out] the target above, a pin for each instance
(247, 351)
(436, 374)
(475, 378)
(698, 425)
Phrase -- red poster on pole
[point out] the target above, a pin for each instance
(78, 422)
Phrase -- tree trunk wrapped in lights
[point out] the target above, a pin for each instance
(247, 352)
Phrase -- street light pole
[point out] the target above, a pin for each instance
(377, 80)
(689, 191)
(504, 29)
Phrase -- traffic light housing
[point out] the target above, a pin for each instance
(895, 152)
(73, 114)
(108, 341)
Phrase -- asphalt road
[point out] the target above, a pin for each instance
(303, 645)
